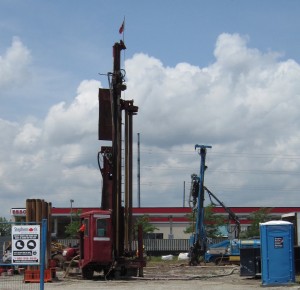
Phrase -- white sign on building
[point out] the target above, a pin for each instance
(25, 244)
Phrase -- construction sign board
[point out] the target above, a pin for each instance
(26, 244)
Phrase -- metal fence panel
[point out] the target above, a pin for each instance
(157, 247)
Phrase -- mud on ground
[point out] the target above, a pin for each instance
(207, 272)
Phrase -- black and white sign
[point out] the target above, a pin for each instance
(26, 244)
(278, 242)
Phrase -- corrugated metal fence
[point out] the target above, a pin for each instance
(162, 247)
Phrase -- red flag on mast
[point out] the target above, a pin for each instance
(121, 29)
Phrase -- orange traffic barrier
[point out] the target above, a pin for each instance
(33, 276)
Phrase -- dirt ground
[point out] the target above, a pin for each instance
(170, 276)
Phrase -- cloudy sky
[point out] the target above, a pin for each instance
(222, 73)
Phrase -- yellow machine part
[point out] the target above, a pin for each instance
(234, 258)
(57, 247)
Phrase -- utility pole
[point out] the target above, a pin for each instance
(71, 202)
(183, 194)
(138, 172)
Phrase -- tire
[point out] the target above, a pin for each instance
(87, 273)
(117, 274)
(108, 273)
(132, 272)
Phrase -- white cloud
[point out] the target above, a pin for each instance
(14, 64)
(245, 105)
(55, 158)
(68, 124)
(243, 92)
(246, 101)
(27, 138)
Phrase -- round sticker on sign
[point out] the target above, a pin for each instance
(19, 244)
(31, 244)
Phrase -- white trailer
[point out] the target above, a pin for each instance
(294, 217)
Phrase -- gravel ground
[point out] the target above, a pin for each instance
(171, 277)
(158, 276)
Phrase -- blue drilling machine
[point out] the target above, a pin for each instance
(198, 238)
(225, 251)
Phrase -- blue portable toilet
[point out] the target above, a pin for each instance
(277, 253)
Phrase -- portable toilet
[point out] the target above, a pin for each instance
(277, 253)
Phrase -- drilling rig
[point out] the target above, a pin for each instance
(198, 239)
(227, 251)
(106, 240)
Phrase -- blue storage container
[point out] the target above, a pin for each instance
(277, 253)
